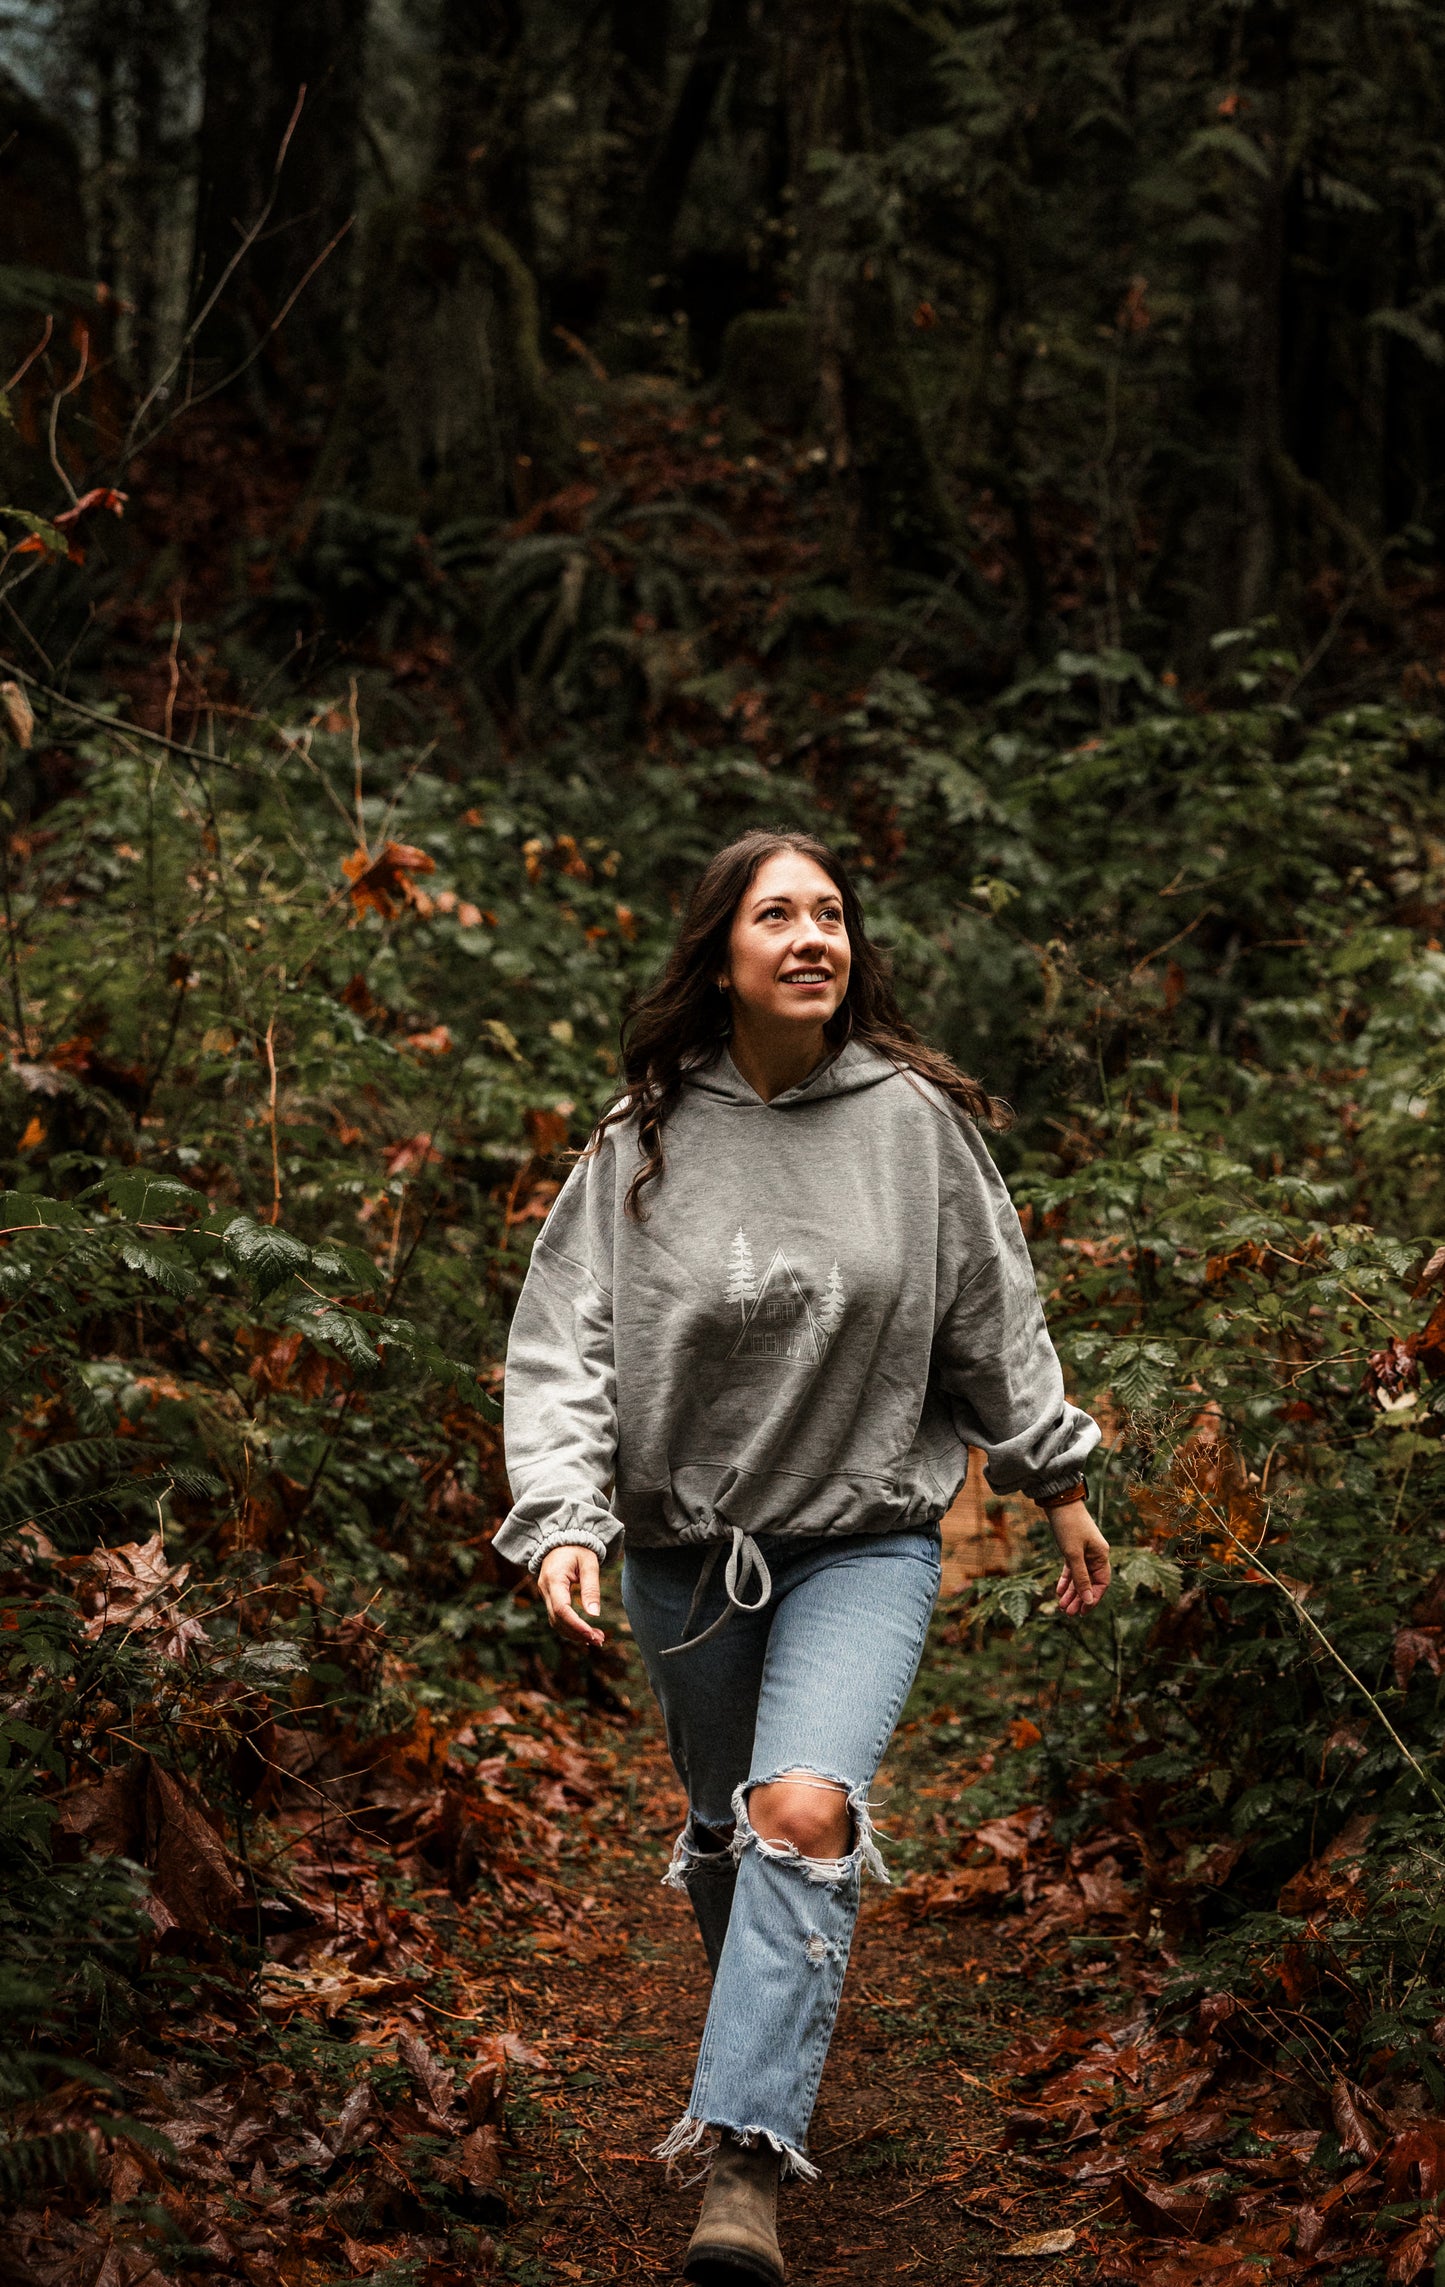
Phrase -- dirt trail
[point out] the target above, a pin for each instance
(915, 2185)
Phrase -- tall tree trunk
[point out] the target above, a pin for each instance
(262, 59)
(108, 163)
(640, 40)
(152, 181)
(43, 228)
(644, 251)
(481, 155)
(447, 410)
(890, 499)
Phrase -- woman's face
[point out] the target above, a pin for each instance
(788, 953)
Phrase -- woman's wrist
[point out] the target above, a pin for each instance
(1048, 1502)
(575, 1537)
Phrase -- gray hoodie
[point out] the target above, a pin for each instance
(829, 1300)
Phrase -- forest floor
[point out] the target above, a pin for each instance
(477, 2012)
(916, 2182)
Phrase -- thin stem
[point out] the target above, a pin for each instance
(354, 713)
(228, 380)
(55, 404)
(1400, 1496)
(173, 665)
(249, 237)
(275, 1148)
(12, 949)
(26, 362)
(109, 723)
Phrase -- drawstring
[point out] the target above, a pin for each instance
(745, 1562)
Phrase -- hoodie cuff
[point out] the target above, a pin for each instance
(576, 1536)
(1052, 1487)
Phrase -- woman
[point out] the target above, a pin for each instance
(778, 1300)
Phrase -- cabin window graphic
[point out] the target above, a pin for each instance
(778, 1320)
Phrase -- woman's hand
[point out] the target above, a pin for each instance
(561, 1573)
(1086, 1558)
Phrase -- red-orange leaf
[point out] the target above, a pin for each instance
(384, 882)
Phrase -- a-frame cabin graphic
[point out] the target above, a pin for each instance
(779, 1320)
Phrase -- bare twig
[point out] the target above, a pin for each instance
(247, 241)
(275, 1147)
(1171, 942)
(12, 949)
(26, 362)
(227, 380)
(173, 663)
(354, 715)
(109, 723)
(55, 404)
(161, 385)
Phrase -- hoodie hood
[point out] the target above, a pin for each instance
(846, 1072)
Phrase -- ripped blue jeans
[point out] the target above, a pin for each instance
(812, 1684)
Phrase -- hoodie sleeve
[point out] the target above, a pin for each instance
(993, 1361)
(559, 1413)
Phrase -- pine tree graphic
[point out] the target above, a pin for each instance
(830, 1309)
(742, 1283)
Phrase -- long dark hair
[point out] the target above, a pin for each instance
(685, 1018)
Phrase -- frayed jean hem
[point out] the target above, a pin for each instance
(691, 2134)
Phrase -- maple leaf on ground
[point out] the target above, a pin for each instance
(479, 2157)
(955, 1893)
(1411, 2258)
(1422, 2146)
(1350, 2125)
(383, 883)
(1192, 2265)
(134, 1587)
(434, 2081)
(1104, 1890)
(1171, 2211)
(140, 1811)
(1010, 1837)
(194, 1880)
(324, 1988)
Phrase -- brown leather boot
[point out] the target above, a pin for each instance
(737, 2233)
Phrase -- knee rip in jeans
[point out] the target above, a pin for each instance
(699, 1851)
(832, 1872)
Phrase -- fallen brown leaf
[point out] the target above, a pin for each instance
(1042, 2243)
